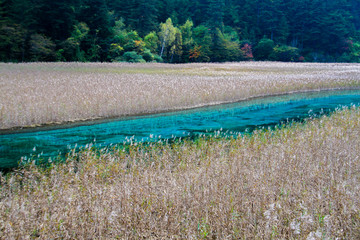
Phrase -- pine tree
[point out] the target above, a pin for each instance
(3, 13)
(187, 39)
(200, 12)
(202, 42)
(96, 15)
(283, 31)
(55, 18)
(147, 18)
(215, 13)
(218, 47)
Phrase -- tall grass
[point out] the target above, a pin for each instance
(296, 182)
(40, 93)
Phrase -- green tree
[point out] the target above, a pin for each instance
(202, 43)
(123, 40)
(355, 52)
(187, 39)
(283, 31)
(152, 42)
(231, 34)
(42, 48)
(115, 51)
(12, 42)
(24, 13)
(3, 17)
(317, 28)
(285, 54)
(133, 57)
(167, 35)
(96, 15)
(233, 51)
(176, 49)
(218, 47)
(55, 19)
(134, 42)
(264, 49)
(72, 50)
(139, 15)
(216, 15)
(147, 18)
(128, 42)
(148, 56)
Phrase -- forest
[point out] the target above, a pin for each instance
(180, 31)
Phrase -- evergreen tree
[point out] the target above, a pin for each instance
(355, 10)
(12, 42)
(215, 12)
(71, 48)
(147, 18)
(203, 42)
(184, 9)
(96, 15)
(319, 29)
(55, 19)
(187, 39)
(200, 12)
(283, 30)
(218, 47)
(3, 13)
(42, 48)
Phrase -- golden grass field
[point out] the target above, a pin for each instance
(293, 182)
(298, 182)
(41, 93)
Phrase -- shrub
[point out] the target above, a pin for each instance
(42, 48)
(115, 51)
(247, 51)
(285, 54)
(264, 49)
(148, 56)
(157, 58)
(133, 57)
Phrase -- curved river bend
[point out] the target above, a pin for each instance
(234, 118)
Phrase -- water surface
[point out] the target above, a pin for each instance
(231, 118)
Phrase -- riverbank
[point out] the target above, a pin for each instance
(37, 94)
(294, 182)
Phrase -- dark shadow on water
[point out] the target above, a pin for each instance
(235, 118)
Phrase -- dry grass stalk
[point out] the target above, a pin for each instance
(39, 93)
(299, 182)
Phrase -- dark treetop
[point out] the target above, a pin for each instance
(180, 30)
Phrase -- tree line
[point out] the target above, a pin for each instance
(178, 31)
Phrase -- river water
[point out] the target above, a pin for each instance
(244, 116)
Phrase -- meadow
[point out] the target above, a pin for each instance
(42, 93)
(294, 182)
(297, 181)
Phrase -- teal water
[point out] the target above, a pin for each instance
(231, 118)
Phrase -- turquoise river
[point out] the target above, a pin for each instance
(234, 118)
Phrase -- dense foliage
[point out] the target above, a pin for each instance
(180, 30)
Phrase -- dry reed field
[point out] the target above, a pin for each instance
(295, 182)
(42, 93)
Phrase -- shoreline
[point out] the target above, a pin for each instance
(93, 121)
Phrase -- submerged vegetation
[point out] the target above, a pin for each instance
(295, 182)
(41, 93)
